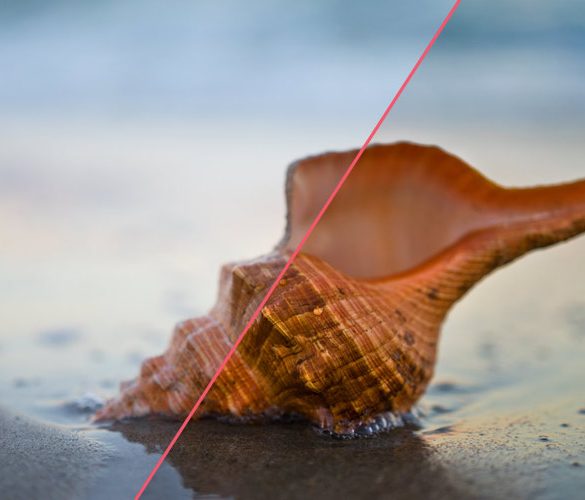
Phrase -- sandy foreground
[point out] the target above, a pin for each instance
(40, 460)
(216, 460)
(525, 455)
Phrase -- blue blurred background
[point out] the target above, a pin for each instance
(306, 61)
(144, 143)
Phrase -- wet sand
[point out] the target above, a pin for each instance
(292, 461)
(40, 460)
(522, 456)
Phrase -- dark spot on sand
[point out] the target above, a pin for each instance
(581, 411)
(564, 424)
(576, 464)
(544, 439)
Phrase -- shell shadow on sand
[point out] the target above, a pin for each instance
(291, 460)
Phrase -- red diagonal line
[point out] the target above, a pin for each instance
(297, 250)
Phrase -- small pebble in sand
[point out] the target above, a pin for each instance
(581, 411)
(88, 402)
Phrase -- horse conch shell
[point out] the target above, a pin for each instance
(348, 339)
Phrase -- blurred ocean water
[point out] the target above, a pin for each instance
(189, 60)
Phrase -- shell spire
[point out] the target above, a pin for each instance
(348, 339)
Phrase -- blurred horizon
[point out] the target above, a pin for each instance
(186, 61)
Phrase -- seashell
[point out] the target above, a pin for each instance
(348, 339)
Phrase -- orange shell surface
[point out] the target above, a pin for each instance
(348, 339)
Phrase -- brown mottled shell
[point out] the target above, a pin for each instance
(349, 336)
